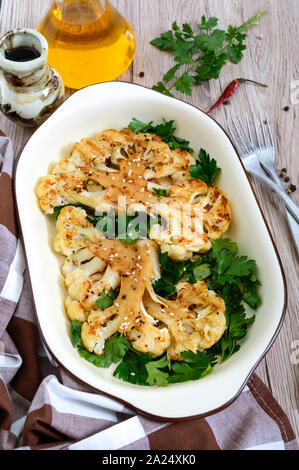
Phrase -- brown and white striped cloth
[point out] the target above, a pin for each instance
(42, 407)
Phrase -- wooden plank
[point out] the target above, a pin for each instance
(271, 57)
(272, 60)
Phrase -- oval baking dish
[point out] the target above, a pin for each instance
(113, 105)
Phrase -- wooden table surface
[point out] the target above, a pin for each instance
(272, 57)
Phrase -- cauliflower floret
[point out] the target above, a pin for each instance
(97, 329)
(216, 212)
(195, 320)
(74, 231)
(56, 190)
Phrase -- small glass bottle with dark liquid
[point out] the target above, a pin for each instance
(89, 41)
(30, 90)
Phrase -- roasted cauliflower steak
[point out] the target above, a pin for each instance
(122, 170)
(136, 172)
(151, 323)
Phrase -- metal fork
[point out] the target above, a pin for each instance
(261, 155)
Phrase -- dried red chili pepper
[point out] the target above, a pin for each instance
(231, 89)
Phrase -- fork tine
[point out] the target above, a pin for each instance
(244, 133)
(249, 130)
(240, 136)
(234, 139)
(263, 130)
(269, 129)
(255, 128)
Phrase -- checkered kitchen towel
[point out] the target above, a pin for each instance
(42, 407)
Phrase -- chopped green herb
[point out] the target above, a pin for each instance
(164, 288)
(201, 272)
(76, 333)
(155, 374)
(116, 348)
(236, 322)
(133, 368)
(200, 55)
(107, 299)
(194, 366)
(227, 243)
(230, 268)
(165, 130)
(160, 192)
(205, 169)
(250, 293)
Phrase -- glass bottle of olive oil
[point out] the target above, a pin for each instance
(89, 41)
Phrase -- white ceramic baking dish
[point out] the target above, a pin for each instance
(113, 105)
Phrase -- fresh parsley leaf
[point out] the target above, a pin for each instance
(76, 333)
(155, 374)
(236, 52)
(170, 74)
(201, 272)
(107, 299)
(197, 270)
(241, 266)
(184, 84)
(236, 321)
(224, 260)
(204, 52)
(231, 268)
(139, 126)
(250, 293)
(194, 366)
(171, 273)
(197, 360)
(160, 192)
(165, 42)
(116, 348)
(88, 210)
(206, 169)
(187, 29)
(161, 88)
(165, 130)
(164, 288)
(227, 243)
(133, 368)
(209, 24)
(171, 269)
(212, 42)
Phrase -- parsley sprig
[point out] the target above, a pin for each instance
(200, 55)
(205, 168)
(106, 299)
(116, 348)
(142, 369)
(165, 130)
